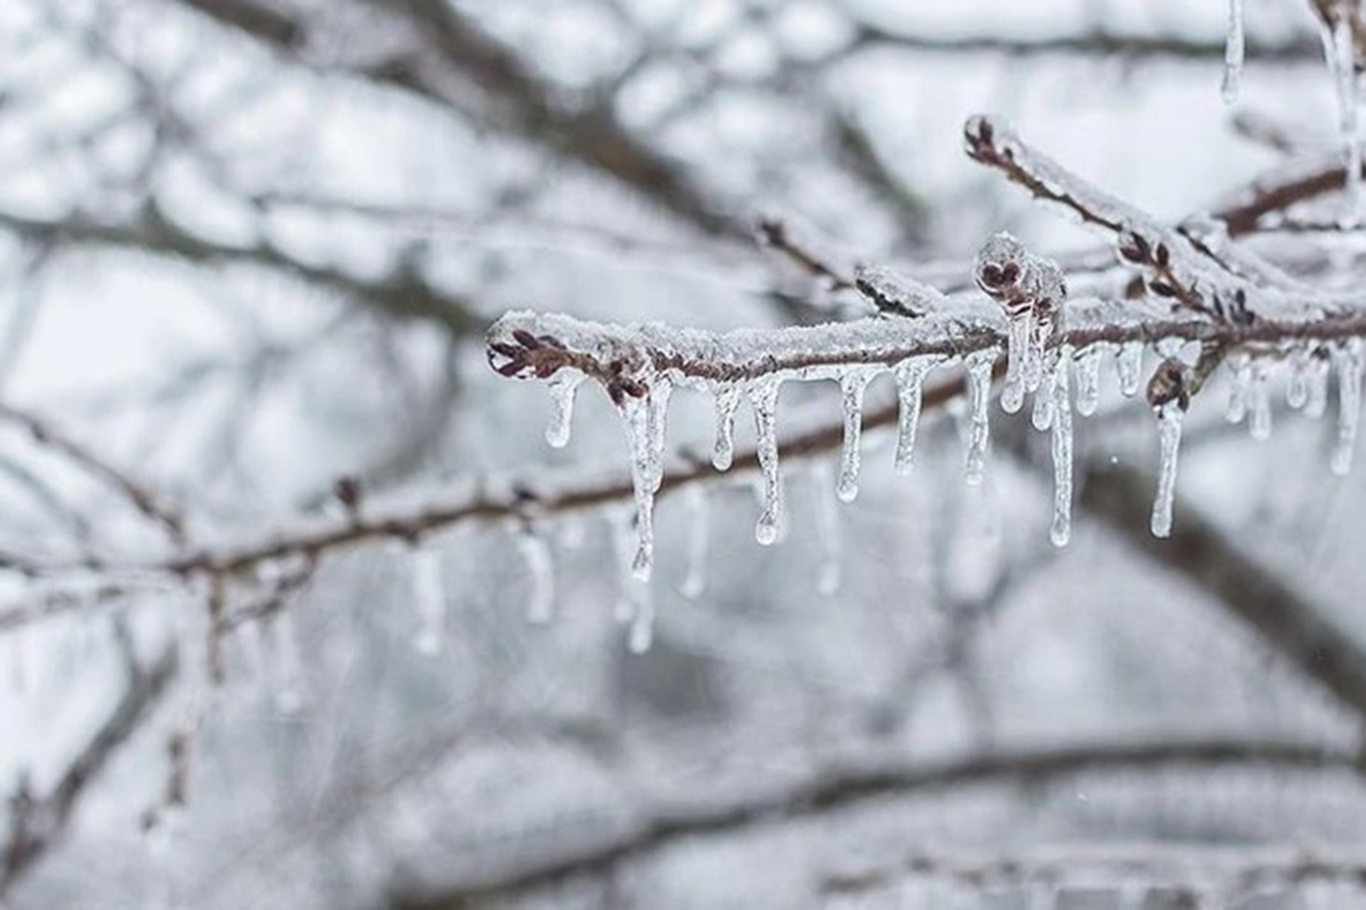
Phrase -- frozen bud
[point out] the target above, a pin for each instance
(1170, 382)
(1000, 270)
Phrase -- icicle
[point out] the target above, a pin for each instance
(623, 546)
(699, 509)
(1019, 350)
(1061, 531)
(1340, 51)
(1129, 365)
(657, 413)
(763, 398)
(570, 532)
(1088, 380)
(540, 574)
(852, 386)
(1297, 393)
(642, 632)
(1260, 402)
(287, 664)
(563, 387)
(1316, 377)
(727, 400)
(1042, 418)
(1239, 390)
(1348, 358)
(979, 391)
(828, 532)
(429, 596)
(1234, 49)
(644, 421)
(910, 380)
(1169, 418)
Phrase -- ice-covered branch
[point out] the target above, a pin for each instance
(599, 853)
(37, 821)
(142, 498)
(403, 294)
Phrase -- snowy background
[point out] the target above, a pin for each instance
(250, 247)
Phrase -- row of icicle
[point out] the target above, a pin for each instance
(1051, 375)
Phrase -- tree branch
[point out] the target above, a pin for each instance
(1284, 619)
(38, 822)
(403, 294)
(842, 788)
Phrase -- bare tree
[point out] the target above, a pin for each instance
(256, 253)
